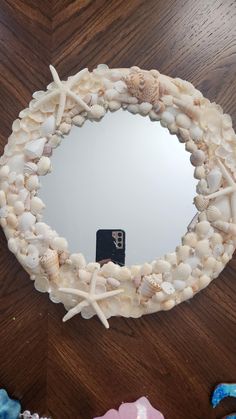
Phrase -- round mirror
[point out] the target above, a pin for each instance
(131, 189)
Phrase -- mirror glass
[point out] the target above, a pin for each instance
(125, 174)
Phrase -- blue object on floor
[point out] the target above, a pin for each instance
(9, 409)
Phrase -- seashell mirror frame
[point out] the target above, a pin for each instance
(111, 290)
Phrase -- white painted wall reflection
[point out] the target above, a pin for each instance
(124, 172)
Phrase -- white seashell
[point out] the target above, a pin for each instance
(228, 228)
(133, 108)
(13, 245)
(114, 105)
(16, 163)
(202, 248)
(4, 172)
(48, 126)
(171, 258)
(199, 172)
(216, 238)
(202, 228)
(187, 293)
(196, 133)
(12, 220)
(92, 266)
(50, 263)
(123, 273)
(60, 244)
(168, 117)
(41, 284)
(213, 213)
(18, 207)
(202, 187)
(4, 211)
(218, 250)
(197, 158)
(43, 166)
(204, 281)
(148, 287)
(146, 269)
(34, 149)
(135, 270)
(182, 271)
(190, 146)
(193, 261)
(30, 168)
(144, 108)
(109, 269)
(182, 252)
(65, 128)
(111, 94)
(179, 285)
(183, 121)
(209, 263)
(214, 179)
(32, 183)
(159, 296)
(167, 287)
(26, 221)
(120, 86)
(78, 260)
(78, 120)
(168, 305)
(36, 205)
(3, 201)
(97, 111)
(84, 276)
(154, 116)
(162, 266)
(114, 283)
(201, 202)
(31, 261)
(190, 239)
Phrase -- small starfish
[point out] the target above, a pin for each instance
(63, 89)
(229, 190)
(90, 298)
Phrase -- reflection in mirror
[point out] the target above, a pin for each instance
(123, 173)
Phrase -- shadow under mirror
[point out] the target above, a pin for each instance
(124, 174)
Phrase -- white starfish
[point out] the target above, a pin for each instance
(229, 190)
(90, 298)
(63, 90)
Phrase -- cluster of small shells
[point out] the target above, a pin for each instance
(160, 284)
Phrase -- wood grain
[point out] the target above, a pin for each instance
(80, 370)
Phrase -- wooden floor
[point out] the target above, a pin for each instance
(79, 370)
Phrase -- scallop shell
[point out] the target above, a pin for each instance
(50, 263)
(183, 252)
(161, 266)
(149, 286)
(167, 287)
(213, 213)
(201, 202)
(199, 172)
(214, 179)
(143, 86)
(202, 248)
(36, 205)
(182, 271)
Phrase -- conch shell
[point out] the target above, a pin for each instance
(50, 263)
(143, 86)
(149, 286)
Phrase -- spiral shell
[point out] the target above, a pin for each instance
(143, 86)
(50, 263)
(149, 286)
